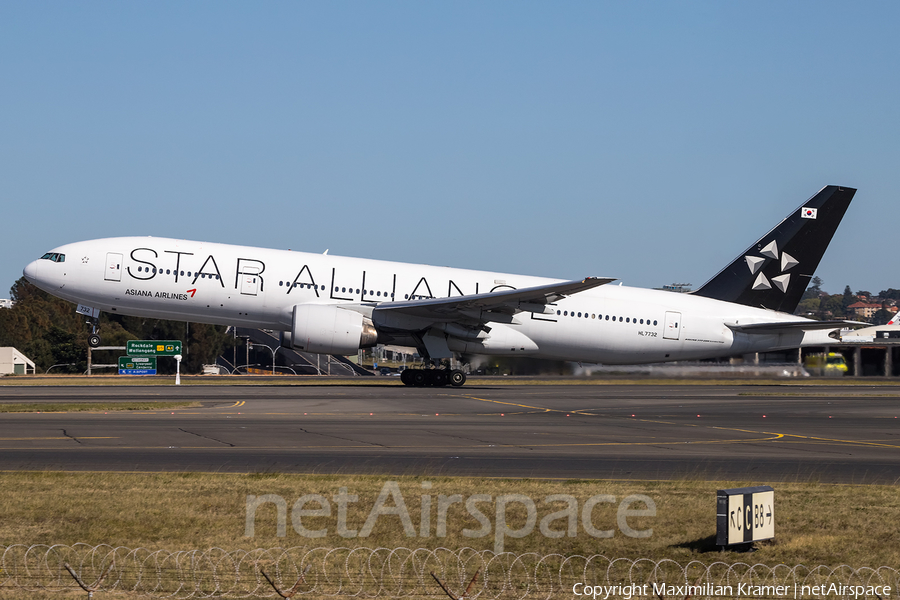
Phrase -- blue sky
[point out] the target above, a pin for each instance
(647, 141)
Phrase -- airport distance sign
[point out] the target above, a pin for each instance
(153, 347)
(137, 365)
(745, 515)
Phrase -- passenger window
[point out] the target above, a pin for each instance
(627, 320)
(654, 322)
(559, 312)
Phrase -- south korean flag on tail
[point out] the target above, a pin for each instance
(808, 213)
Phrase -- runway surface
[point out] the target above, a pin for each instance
(757, 433)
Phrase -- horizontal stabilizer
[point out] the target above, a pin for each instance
(788, 326)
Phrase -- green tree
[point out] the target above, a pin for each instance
(814, 290)
(810, 306)
(882, 316)
(833, 304)
(848, 298)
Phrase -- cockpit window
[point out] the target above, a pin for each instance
(54, 256)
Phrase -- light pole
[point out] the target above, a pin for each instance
(270, 350)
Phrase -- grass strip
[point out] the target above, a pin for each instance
(816, 524)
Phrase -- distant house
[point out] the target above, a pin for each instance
(6, 303)
(13, 362)
(864, 309)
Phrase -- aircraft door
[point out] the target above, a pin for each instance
(249, 284)
(672, 330)
(113, 267)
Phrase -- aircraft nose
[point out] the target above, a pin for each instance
(31, 271)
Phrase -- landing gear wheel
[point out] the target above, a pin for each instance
(457, 378)
(94, 340)
(418, 378)
(437, 377)
(405, 377)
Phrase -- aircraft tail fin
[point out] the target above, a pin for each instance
(775, 271)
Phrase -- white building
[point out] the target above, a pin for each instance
(14, 362)
(6, 303)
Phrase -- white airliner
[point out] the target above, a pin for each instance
(336, 305)
(868, 334)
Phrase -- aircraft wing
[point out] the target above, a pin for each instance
(532, 299)
(788, 326)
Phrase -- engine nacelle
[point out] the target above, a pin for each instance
(329, 329)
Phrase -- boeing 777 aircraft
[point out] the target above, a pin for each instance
(336, 305)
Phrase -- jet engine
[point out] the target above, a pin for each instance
(329, 329)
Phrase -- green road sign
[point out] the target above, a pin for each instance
(137, 362)
(153, 347)
(137, 365)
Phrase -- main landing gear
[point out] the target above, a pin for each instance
(432, 377)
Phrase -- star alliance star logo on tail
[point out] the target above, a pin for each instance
(771, 251)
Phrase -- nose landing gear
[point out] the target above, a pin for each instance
(94, 339)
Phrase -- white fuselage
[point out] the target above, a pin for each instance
(258, 288)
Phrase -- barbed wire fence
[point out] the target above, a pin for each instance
(407, 573)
